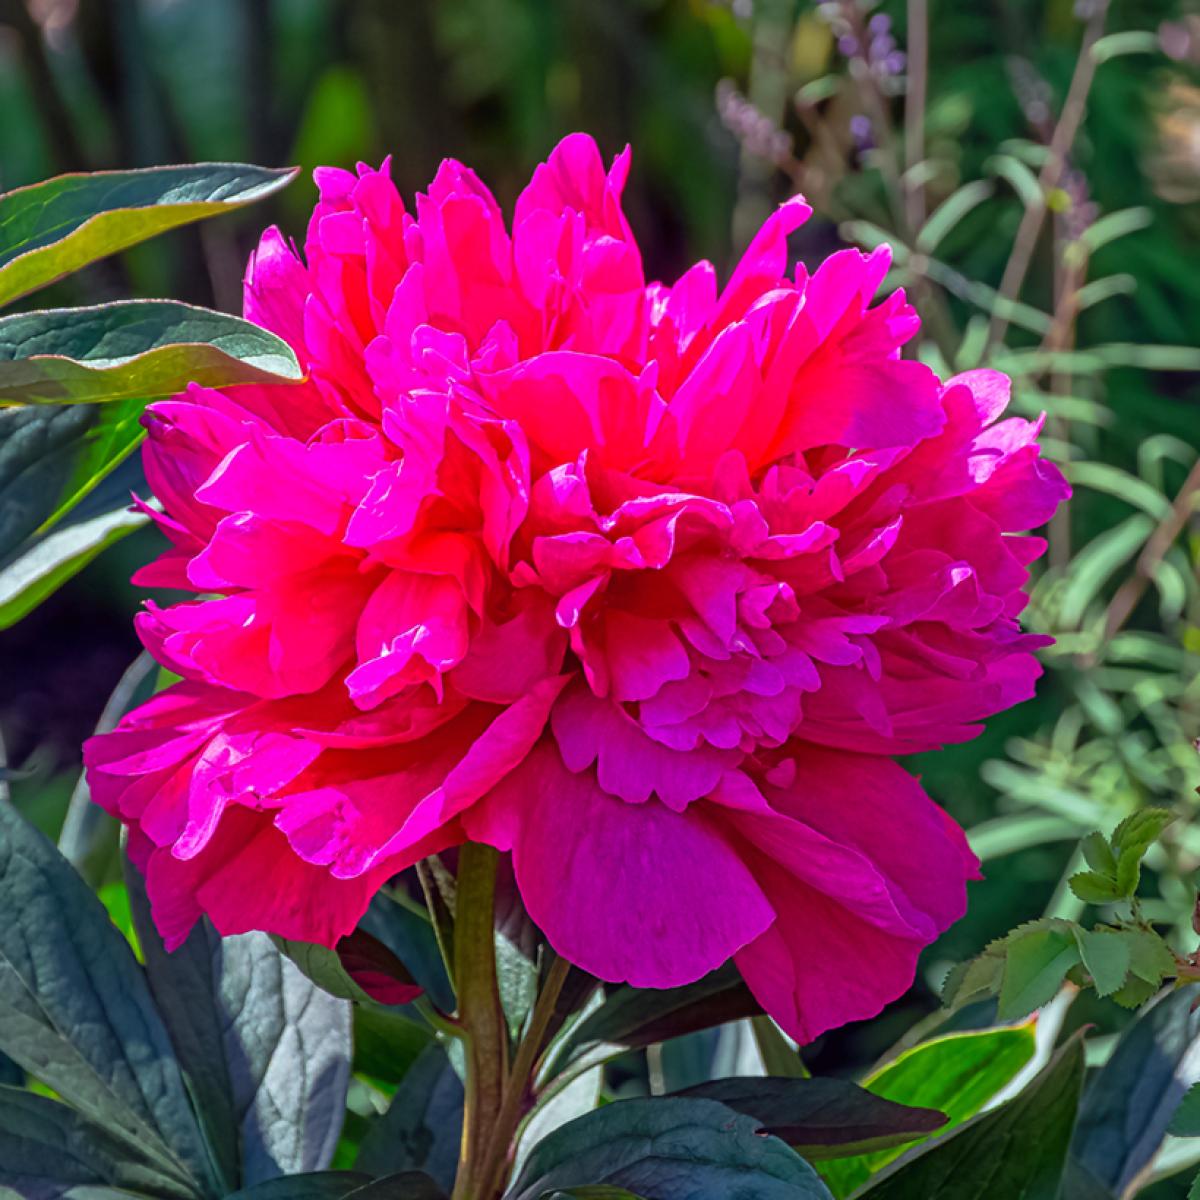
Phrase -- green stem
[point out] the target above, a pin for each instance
(520, 1080)
(480, 1014)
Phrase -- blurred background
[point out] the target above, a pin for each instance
(1036, 164)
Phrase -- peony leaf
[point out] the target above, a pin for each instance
(133, 349)
(1017, 1151)
(671, 1149)
(46, 1148)
(634, 1017)
(361, 969)
(266, 1052)
(956, 1074)
(422, 1126)
(1130, 1103)
(40, 570)
(342, 1185)
(76, 1012)
(49, 229)
(386, 1042)
(410, 937)
(1186, 1121)
(822, 1118)
(38, 450)
(315, 1185)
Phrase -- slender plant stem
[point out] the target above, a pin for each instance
(480, 1014)
(1061, 142)
(519, 1086)
(1160, 541)
(914, 111)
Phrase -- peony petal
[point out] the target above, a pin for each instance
(630, 893)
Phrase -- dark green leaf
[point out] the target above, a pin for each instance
(669, 1149)
(38, 448)
(640, 1017)
(45, 1147)
(50, 229)
(598, 1192)
(409, 936)
(956, 1074)
(76, 1012)
(266, 1052)
(423, 1125)
(133, 349)
(822, 1118)
(1017, 1151)
(359, 956)
(49, 562)
(1186, 1121)
(387, 1042)
(1131, 1101)
(407, 1185)
(317, 1185)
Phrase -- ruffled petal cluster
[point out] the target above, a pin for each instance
(645, 584)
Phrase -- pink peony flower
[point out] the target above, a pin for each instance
(644, 584)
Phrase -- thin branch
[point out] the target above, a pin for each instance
(1063, 139)
(1130, 593)
(914, 110)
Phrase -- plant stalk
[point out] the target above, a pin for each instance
(480, 1013)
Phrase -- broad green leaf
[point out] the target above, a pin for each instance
(1186, 1121)
(48, 230)
(141, 349)
(76, 1012)
(316, 1185)
(822, 1118)
(386, 1042)
(1035, 964)
(45, 1147)
(1130, 1103)
(114, 435)
(407, 1185)
(600, 1192)
(956, 1074)
(422, 1127)
(670, 1149)
(635, 1017)
(38, 450)
(49, 562)
(1106, 957)
(1017, 1151)
(266, 1052)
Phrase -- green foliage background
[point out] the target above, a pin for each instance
(90, 84)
